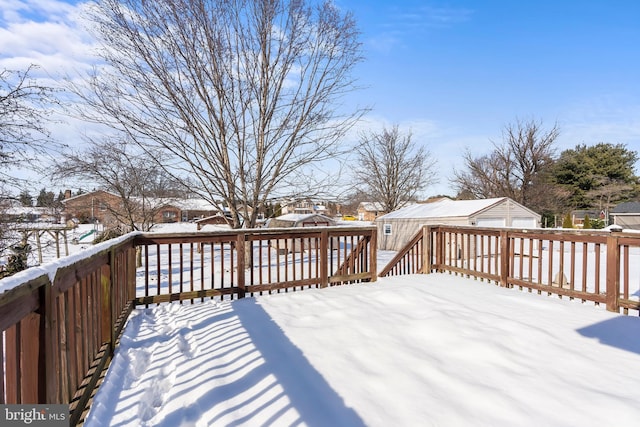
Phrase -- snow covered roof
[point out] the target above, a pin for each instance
(194, 204)
(444, 208)
(626, 207)
(297, 217)
(28, 210)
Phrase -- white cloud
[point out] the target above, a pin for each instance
(47, 33)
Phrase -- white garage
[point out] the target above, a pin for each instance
(395, 229)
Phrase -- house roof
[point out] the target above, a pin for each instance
(445, 208)
(90, 193)
(195, 204)
(299, 217)
(626, 207)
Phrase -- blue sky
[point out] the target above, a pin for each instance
(459, 71)
(453, 72)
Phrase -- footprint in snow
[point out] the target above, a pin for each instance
(156, 394)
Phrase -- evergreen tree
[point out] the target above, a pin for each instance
(567, 222)
(599, 176)
(25, 198)
(587, 223)
(45, 199)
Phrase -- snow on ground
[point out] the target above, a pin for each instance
(405, 351)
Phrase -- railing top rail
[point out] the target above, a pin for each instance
(275, 232)
(25, 282)
(528, 231)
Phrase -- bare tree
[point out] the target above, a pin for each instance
(238, 96)
(518, 168)
(25, 108)
(116, 167)
(392, 169)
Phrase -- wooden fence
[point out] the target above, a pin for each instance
(59, 333)
(601, 267)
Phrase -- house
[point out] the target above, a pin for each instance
(217, 219)
(31, 214)
(304, 206)
(369, 211)
(101, 206)
(188, 210)
(94, 206)
(578, 216)
(626, 215)
(396, 228)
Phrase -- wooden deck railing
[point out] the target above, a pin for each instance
(60, 332)
(239, 262)
(587, 265)
(60, 325)
(409, 260)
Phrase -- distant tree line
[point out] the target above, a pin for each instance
(45, 199)
(525, 167)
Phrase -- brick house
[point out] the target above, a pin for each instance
(91, 207)
(369, 211)
(100, 206)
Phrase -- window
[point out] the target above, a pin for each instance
(387, 229)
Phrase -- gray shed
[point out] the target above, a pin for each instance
(293, 221)
(396, 228)
(300, 220)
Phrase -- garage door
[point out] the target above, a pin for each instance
(490, 222)
(524, 222)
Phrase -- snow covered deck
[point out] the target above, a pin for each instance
(410, 350)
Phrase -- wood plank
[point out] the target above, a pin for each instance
(21, 307)
(70, 275)
(3, 370)
(205, 293)
(12, 360)
(599, 298)
(366, 276)
(71, 335)
(283, 285)
(64, 391)
(464, 271)
(613, 274)
(25, 289)
(30, 365)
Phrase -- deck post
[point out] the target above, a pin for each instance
(242, 255)
(106, 323)
(324, 262)
(426, 249)
(439, 249)
(613, 274)
(132, 262)
(504, 258)
(373, 254)
(51, 345)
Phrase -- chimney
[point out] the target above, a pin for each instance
(67, 194)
